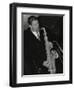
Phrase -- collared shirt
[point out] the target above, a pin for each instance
(37, 35)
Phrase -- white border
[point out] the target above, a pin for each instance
(43, 78)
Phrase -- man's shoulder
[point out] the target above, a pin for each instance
(27, 31)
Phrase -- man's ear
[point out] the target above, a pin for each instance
(30, 26)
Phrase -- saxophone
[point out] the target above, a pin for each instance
(51, 55)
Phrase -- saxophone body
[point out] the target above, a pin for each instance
(51, 55)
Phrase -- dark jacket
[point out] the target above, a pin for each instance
(34, 52)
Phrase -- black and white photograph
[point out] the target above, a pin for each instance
(43, 44)
(40, 44)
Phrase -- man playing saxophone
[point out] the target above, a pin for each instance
(39, 54)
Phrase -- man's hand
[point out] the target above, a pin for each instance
(46, 64)
(54, 54)
(50, 45)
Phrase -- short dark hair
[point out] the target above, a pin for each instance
(31, 18)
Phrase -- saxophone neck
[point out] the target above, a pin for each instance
(44, 30)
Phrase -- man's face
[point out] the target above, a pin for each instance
(35, 25)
